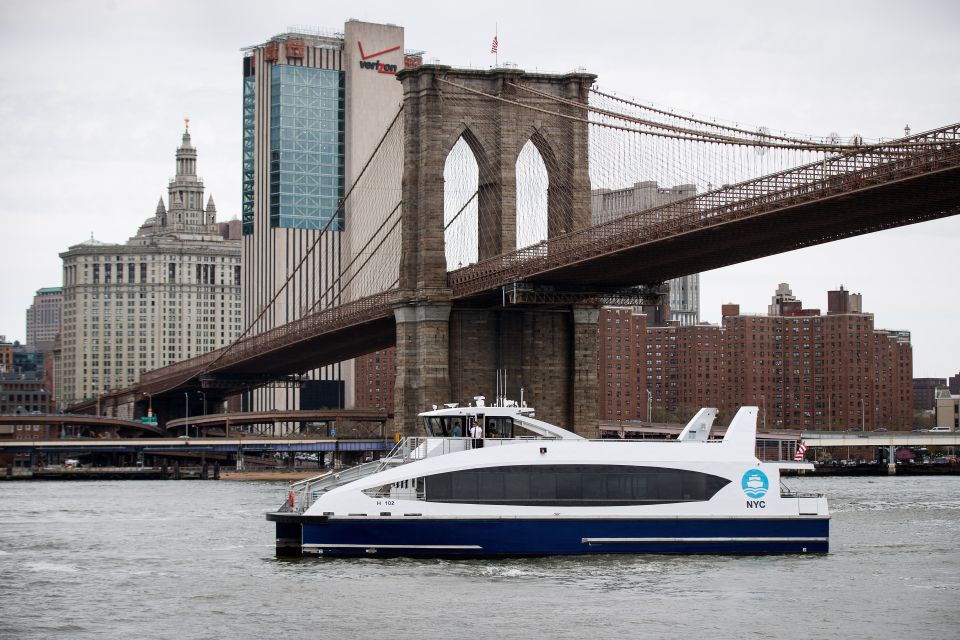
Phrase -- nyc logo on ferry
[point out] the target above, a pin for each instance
(755, 484)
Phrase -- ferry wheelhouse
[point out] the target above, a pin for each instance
(529, 488)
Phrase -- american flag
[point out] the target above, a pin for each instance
(801, 449)
(493, 47)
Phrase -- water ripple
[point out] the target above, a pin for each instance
(180, 559)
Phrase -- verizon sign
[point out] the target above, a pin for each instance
(370, 60)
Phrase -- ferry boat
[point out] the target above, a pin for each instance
(530, 488)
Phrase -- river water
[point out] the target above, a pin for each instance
(196, 560)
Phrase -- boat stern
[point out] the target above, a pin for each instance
(289, 533)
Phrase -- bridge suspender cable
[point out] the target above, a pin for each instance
(714, 125)
(357, 255)
(857, 142)
(696, 136)
(674, 136)
(462, 209)
(711, 137)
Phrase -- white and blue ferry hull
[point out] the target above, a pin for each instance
(482, 537)
(564, 496)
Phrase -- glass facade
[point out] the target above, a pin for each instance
(306, 147)
(249, 111)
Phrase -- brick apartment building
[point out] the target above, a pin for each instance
(924, 390)
(374, 375)
(803, 369)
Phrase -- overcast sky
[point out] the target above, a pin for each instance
(94, 94)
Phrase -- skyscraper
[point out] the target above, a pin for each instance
(315, 105)
(170, 292)
(608, 205)
(43, 317)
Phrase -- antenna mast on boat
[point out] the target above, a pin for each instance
(501, 393)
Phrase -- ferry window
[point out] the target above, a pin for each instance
(438, 427)
(501, 427)
(571, 485)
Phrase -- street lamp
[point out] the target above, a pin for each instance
(186, 410)
(204, 396)
(862, 416)
(649, 406)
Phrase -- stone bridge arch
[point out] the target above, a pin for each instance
(553, 355)
(441, 105)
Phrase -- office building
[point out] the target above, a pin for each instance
(948, 410)
(23, 394)
(608, 205)
(924, 392)
(172, 291)
(43, 317)
(315, 105)
(6, 355)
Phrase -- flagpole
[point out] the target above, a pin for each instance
(496, 34)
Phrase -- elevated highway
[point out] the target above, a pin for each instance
(193, 445)
(95, 423)
(227, 421)
(881, 439)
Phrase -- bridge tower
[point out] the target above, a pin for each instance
(448, 352)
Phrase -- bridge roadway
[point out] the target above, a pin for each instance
(80, 420)
(227, 420)
(810, 438)
(881, 439)
(187, 445)
(899, 183)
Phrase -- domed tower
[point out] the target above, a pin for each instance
(185, 192)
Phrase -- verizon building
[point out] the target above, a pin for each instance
(315, 105)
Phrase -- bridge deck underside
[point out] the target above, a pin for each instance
(316, 351)
(872, 208)
(892, 205)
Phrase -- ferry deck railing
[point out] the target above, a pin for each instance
(304, 493)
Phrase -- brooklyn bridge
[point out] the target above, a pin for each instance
(465, 279)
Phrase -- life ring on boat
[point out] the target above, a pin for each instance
(291, 498)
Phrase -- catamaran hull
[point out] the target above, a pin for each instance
(473, 537)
